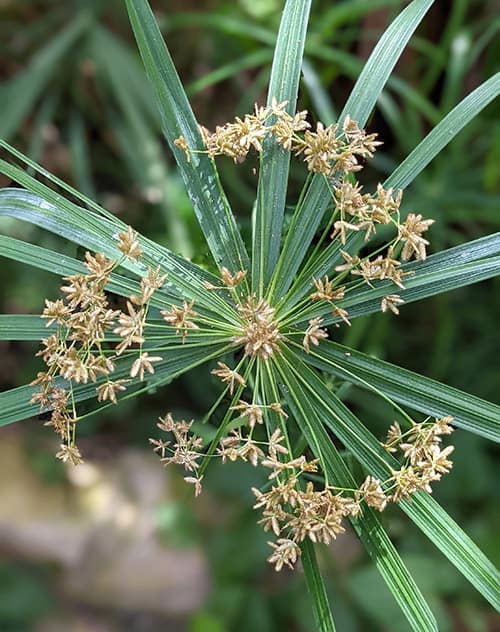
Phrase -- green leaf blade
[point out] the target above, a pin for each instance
(15, 403)
(409, 389)
(52, 212)
(23, 327)
(316, 586)
(19, 95)
(368, 527)
(382, 60)
(199, 174)
(447, 536)
(275, 160)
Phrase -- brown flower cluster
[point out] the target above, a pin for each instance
(260, 332)
(84, 347)
(180, 318)
(426, 461)
(185, 449)
(337, 152)
(326, 150)
(295, 512)
(292, 508)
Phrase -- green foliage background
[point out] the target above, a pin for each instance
(74, 97)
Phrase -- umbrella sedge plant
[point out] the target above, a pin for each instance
(265, 317)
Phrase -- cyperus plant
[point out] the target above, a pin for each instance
(260, 321)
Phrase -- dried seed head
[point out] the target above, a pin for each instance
(285, 552)
(314, 333)
(391, 302)
(230, 376)
(325, 290)
(179, 317)
(128, 244)
(232, 280)
(69, 454)
(252, 411)
(410, 233)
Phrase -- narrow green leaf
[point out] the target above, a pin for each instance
(443, 133)
(33, 185)
(305, 222)
(140, 144)
(368, 527)
(63, 265)
(23, 327)
(53, 212)
(320, 98)
(242, 28)
(445, 534)
(252, 60)
(199, 174)
(39, 257)
(409, 389)
(424, 285)
(442, 272)
(366, 91)
(80, 158)
(15, 404)
(109, 50)
(316, 586)
(275, 160)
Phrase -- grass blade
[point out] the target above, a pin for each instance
(316, 587)
(275, 160)
(409, 389)
(137, 136)
(80, 156)
(52, 212)
(200, 176)
(445, 533)
(63, 265)
(15, 403)
(23, 327)
(381, 62)
(317, 93)
(369, 527)
(19, 95)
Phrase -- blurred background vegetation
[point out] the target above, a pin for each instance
(121, 545)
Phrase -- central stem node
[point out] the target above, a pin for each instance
(260, 331)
